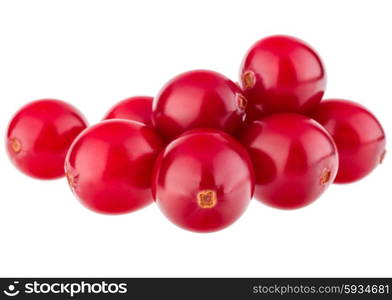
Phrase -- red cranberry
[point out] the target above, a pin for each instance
(137, 108)
(358, 135)
(282, 74)
(295, 159)
(39, 136)
(198, 99)
(109, 166)
(203, 181)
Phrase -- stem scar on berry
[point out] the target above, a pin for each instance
(16, 145)
(207, 199)
(242, 102)
(325, 176)
(72, 180)
(248, 79)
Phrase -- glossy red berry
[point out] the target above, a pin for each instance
(203, 181)
(109, 166)
(294, 157)
(137, 108)
(39, 136)
(358, 135)
(282, 74)
(198, 99)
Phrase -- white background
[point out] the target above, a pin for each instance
(95, 53)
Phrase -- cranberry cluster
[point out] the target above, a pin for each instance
(205, 145)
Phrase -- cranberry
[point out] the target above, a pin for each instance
(40, 134)
(109, 166)
(295, 159)
(198, 99)
(203, 181)
(137, 108)
(358, 135)
(282, 74)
